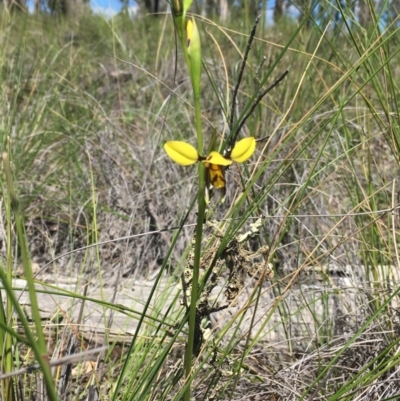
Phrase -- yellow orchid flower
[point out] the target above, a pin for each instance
(185, 155)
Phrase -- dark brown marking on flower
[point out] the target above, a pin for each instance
(217, 177)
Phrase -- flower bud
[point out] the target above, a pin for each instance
(194, 53)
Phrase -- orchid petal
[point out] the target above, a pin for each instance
(181, 152)
(189, 31)
(243, 149)
(217, 158)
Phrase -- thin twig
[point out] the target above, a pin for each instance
(244, 62)
(75, 358)
(256, 102)
(264, 138)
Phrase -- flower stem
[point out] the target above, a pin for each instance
(197, 249)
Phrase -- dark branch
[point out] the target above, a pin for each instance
(256, 103)
(244, 62)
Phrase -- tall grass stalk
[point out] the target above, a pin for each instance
(36, 340)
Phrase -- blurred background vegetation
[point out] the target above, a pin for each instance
(226, 10)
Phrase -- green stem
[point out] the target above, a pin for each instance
(9, 307)
(197, 249)
(195, 286)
